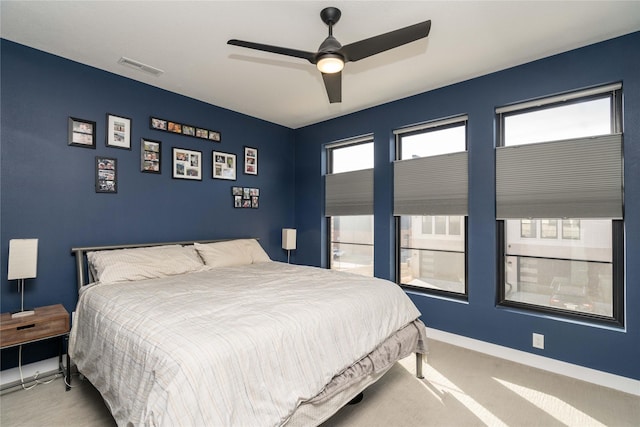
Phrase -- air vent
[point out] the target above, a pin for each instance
(140, 66)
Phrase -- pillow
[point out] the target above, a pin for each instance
(143, 263)
(223, 254)
(252, 246)
(231, 253)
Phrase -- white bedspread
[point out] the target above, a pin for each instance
(234, 346)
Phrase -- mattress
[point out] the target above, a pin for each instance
(245, 345)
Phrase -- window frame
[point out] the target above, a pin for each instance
(614, 93)
(432, 126)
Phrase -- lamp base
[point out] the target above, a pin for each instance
(23, 313)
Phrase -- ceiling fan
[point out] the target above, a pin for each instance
(331, 55)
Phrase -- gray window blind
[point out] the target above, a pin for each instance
(435, 185)
(573, 178)
(349, 193)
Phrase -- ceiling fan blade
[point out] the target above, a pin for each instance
(371, 46)
(333, 84)
(309, 56)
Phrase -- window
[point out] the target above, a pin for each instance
(560, 234)
(548, 229)
(430, 205)
(349, 205)
(528, 228)
(571, 229)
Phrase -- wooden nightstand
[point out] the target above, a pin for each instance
(47, 322)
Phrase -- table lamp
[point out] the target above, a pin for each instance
(23, 263)
(288, 240)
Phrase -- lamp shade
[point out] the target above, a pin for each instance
(288, 238)
(330, 64)
(23, 259)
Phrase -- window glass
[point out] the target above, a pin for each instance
(352, 244)
(571, 229)
(549, 228)
(570, 274)
(433, 260)
(576, 120)
(440, 224)
(352, 157)
(434, 142)
(528, 228)
(427, 224)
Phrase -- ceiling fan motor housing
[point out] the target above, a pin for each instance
(330, 15)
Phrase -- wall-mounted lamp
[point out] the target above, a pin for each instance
(23, 264)
(288, 240)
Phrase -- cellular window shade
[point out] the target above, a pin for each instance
(349, 193)
(434, 185)
(573, 178)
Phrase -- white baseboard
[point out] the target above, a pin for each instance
(593, 376)
(44, 368)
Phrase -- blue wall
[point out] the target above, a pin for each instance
(608, 349)
(48, 187)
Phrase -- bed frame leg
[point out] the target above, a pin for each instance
(419, 366)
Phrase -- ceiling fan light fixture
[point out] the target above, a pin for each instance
(330, 64)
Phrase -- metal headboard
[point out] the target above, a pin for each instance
(81, 254)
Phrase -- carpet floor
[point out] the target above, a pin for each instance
(461, 388)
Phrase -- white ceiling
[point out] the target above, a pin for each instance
(187, 40)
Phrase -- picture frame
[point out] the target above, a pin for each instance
(118, 132)
(150, 154)
(224, 165)
(82, 133)
(245, 197)
(106, 174)
(250, 161)
(172, 126)
(158, 124)
(187, 164)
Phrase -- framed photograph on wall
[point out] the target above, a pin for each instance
(106, 175)
(215, 136)
(250, 161)
(118, 132)
(187, 164)
(82, 133)
(158, 124)
(245, 197)
(224, 165)
(150, 155)
(172, 126)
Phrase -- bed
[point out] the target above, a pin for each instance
(215, 333)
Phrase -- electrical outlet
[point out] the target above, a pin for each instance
(538, 341)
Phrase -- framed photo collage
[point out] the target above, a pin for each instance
(185, 163)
